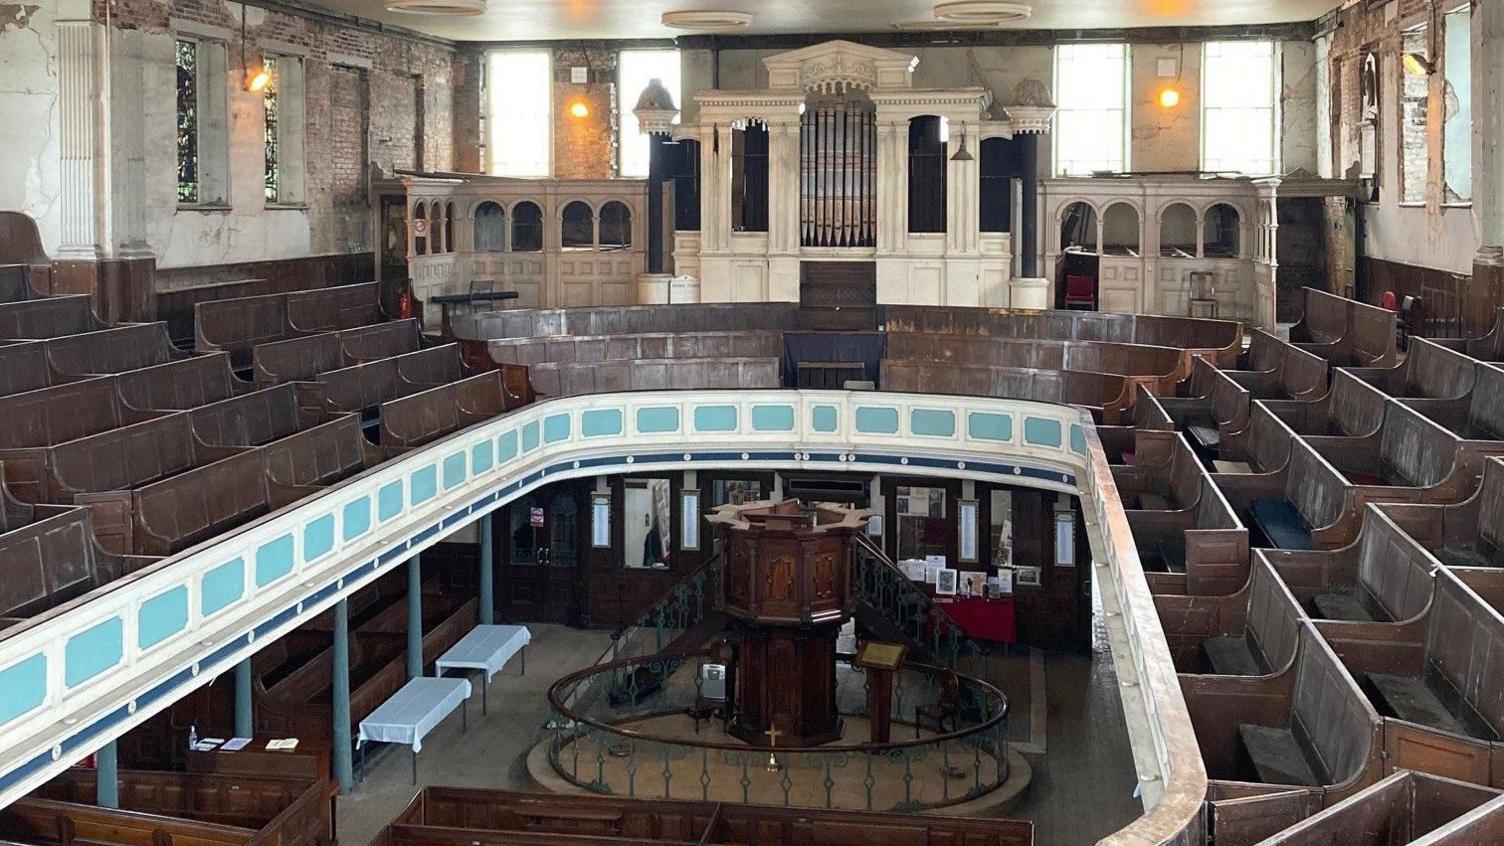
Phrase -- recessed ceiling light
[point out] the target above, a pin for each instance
(706, 20)
(982, 11)
(451, 8)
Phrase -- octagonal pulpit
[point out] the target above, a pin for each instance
(788, 589)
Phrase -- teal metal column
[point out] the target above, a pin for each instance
(107, 777)
(487, 573)
(414, 617)
(244, 725)
(343, 770)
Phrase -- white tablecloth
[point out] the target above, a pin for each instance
(486, 648)
(413, 711)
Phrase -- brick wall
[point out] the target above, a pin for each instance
(398, 112)
(585, 148)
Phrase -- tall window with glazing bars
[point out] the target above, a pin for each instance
(187, 74)
(272, 175)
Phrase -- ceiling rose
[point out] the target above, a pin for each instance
(706, 20)
(450, 8)
(982, 12)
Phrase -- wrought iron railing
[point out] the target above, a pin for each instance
(638, 742)
(885, 588)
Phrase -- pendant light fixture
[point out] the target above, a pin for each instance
(962, 154)
(256, 78)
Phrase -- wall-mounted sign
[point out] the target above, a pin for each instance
(967, 511)
(535, 518)
(600, 520)
(689, 520)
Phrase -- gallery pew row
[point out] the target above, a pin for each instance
(1310, 490)
(1218, 338)
(1406, 807)
(590, 349)
(1160, 369)
(304, 358)
(1107, 396)
(1487, 347)
(1345, 332)
(48, 317)
(449, 816)
(1252, 632)
(278, 810)
(238, 325)
(16, 283)
(569, 380)
(29, 365)
(1189, 538)
(49, 556)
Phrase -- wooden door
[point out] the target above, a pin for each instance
(541, 581)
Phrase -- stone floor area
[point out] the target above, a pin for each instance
(1065, 716)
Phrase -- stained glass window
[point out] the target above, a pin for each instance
(187, 63)
(269, 100)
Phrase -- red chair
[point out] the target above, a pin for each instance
(1081, 292)
(1389, 301)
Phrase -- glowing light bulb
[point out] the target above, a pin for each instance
(579, 109)
(1169, 98)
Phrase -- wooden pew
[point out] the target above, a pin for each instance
(44, 821)
(1158, 368)
(15, 283)
(49, 556)
(1296, 374)
(114, 350)
(182, 384)
(1216, 408)
(1106, 395)
(237, 325)
(568, 380)
(1424, 676)
(1476, 417)
(251, 419)
(23, 367)
(49, 317)
(335, 307)
(1399, 809)
(1429, 371)
(1410, 459)
(613, 320)
(1301, 503)
(1344, 332)
(281, 811)
(304, 358)
(1251, 632)
(1383, 576)
(176, 512)
(417, 419)
(1467, 534)
(1353, 408)
(648, 345)
(369, 384)
(1307, 728)
(1484, 824)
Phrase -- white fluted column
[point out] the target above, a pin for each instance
(1488, 129)
(81, 65)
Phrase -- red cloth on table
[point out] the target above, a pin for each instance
(984, 619)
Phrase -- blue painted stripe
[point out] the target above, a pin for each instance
(162, 616)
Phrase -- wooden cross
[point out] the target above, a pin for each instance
(773, 765)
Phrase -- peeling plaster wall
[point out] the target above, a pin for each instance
(29, 148)
(1298, 95)
(1164, 139)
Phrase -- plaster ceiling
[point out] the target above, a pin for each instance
(539, 20)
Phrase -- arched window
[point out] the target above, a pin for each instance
(436, 224)
(579, 226)
(1177, 231)
(749, 179)
(684, 169)
(527, 227)
(1120, 230)
(616, 226)
(927, 174)
(449, 228)
(1220, 234)
(997, 185)
(420, 229)
(1078, 227)
(490, 230)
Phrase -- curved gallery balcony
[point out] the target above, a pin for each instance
(655, 727)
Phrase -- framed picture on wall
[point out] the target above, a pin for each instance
(945, 582)
(1065, 539)
(600, 520)
(966, 511)
(689, 520)
(973, 584)
(1027, 576)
